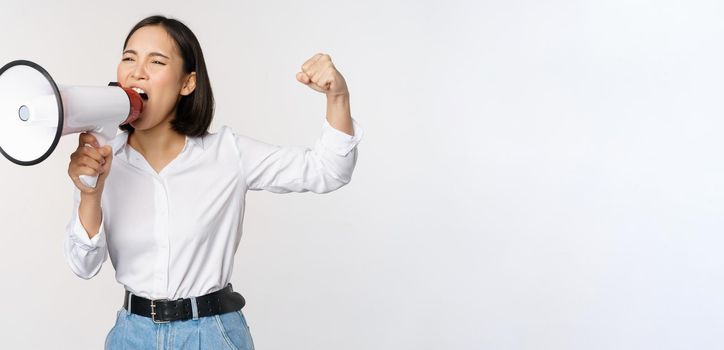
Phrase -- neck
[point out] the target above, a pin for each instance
(157, 142)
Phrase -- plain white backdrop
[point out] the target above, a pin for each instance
(534, 174)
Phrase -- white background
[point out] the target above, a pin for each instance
(534, 174)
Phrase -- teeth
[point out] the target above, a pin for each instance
(142, 93)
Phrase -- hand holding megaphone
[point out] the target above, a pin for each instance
(90, 160)
(35, 112)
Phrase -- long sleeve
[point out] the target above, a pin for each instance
(325, 167)
(84, 255)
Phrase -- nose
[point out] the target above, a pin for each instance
(138, 72)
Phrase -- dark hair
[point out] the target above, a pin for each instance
(195, 111)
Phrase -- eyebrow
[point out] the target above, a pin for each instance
(150, 54)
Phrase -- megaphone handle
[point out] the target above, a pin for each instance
(89, 180)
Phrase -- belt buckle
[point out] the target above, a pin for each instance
(153, 311)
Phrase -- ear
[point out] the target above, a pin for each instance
(189, 85)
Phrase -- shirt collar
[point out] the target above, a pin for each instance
(120, 142)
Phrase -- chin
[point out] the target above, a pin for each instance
(137, 126)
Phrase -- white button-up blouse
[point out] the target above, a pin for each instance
(174, 234)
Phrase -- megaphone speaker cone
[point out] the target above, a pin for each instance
(31, 113)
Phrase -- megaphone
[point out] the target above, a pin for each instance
(35, 112)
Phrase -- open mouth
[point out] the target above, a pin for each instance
(142, 93)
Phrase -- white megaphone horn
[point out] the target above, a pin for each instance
(35, 112)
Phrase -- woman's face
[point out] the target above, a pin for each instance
(152, 62)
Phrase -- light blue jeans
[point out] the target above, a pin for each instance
(225, 331)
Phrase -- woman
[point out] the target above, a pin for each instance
(169, 202)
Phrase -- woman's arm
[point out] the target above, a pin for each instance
(320, 74)
(85, 248)
(338, 114)
(90, 213)
(324, 167)
(85, 245)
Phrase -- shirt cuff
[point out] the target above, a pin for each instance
(79, 236)
(339, 142)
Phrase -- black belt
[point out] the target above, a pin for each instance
(164, 310)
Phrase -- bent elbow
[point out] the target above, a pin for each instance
(84, 273)
(331, 184)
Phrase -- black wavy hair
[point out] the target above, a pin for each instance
(194, 111)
